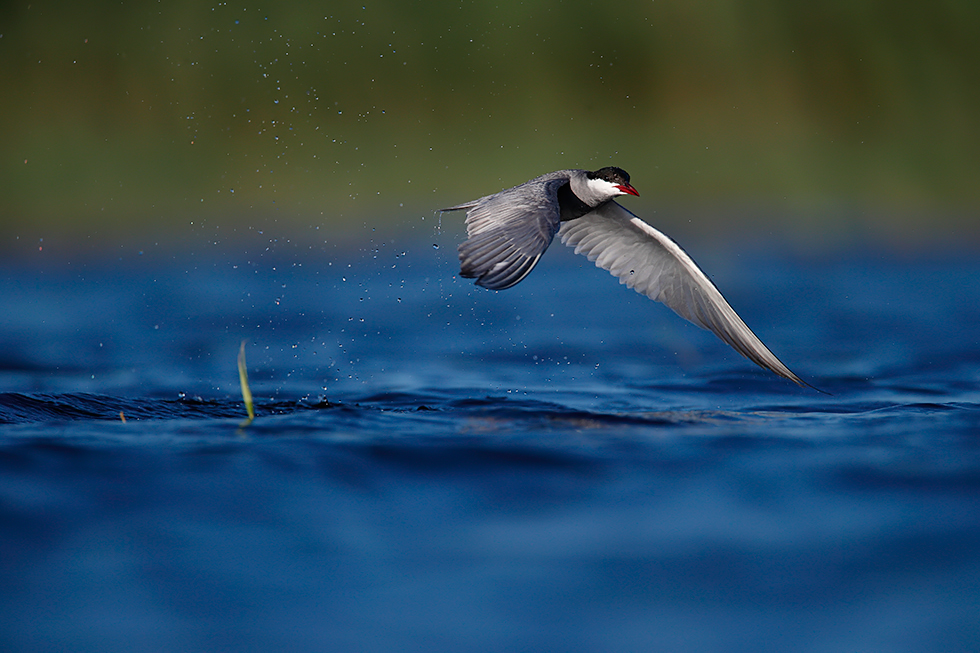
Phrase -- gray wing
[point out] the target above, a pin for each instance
(652, 264)
(509, 231)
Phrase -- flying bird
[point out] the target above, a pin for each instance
(510, 230)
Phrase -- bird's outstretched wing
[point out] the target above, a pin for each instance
(652, 264)
(509, 231)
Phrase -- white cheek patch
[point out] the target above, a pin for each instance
(603, 187)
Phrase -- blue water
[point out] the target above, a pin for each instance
(563, 466)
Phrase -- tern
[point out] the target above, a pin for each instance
(510, 230)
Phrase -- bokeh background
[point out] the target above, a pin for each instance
(831, 121)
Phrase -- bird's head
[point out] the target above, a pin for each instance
(609, 182)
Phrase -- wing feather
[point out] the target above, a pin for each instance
(652, 264)
(509, 231)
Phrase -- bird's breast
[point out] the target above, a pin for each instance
(570, 204)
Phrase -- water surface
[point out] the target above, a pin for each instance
(561, 466)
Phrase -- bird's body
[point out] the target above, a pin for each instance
(510, 230)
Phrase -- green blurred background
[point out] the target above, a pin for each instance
(837, 119)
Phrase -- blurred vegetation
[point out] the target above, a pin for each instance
(126, 118)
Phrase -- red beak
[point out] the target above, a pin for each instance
(626, 188)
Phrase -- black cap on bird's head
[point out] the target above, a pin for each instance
(615, 176)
